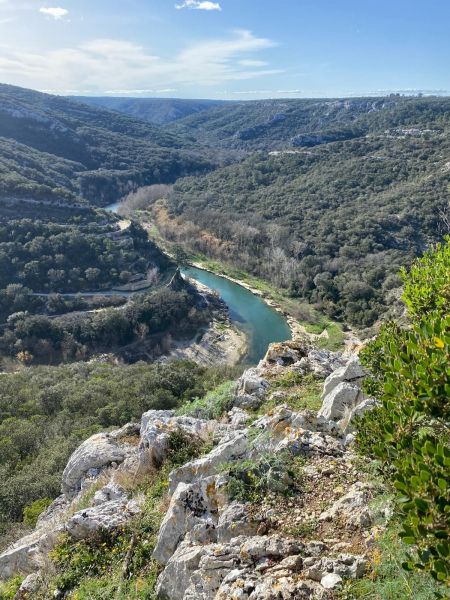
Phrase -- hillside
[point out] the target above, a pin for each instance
(281, 124)
(331, 223)
(51, 142)
(159, 111)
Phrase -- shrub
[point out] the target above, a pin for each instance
(409, 432)
(32, 511)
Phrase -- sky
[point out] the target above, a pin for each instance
(228, 49)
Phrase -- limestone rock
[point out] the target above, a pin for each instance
(28, 587)
(29, 554)
(252, 383)
(235, 521)
(352, 507)
(319, 362)
(156, 427)
(106, 516)
(95, 454)
(342, 398)
(238, 418)
(330, 581)
(231, 448)
(352, 372)
(111, 491)
(174, 580)
(191, 505)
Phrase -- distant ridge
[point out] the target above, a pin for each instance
(159, 111)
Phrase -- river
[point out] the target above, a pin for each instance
(262, 324)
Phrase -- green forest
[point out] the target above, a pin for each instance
(332, 224)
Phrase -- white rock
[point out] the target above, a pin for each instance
(330, 581)
(231, 448)
(342, 398)
(111, 491)
(190, 505)
(352, 507)
(96, 453)
(352, 372)
(252, 383)
(158, 425)
(106, 516)
(174, 580)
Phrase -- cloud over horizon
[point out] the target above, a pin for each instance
(102, 65)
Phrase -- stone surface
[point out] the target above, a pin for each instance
(352, 372)
(344, 397)
(331, 581)
(193, 508)
(107, 516)
(235, 521)
(95, 454)
(353, 507)
(231, 448)
(251, 383)
(158, 425)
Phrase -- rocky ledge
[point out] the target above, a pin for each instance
(211, 544)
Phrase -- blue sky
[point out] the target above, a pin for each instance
(232, 49)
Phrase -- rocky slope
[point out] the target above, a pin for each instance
(276, 507)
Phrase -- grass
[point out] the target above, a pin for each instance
(118, 565)
(301, 392)
(213, 405)
(387, 580)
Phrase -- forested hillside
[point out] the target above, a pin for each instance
(281, 124)
(158, 111)
(55, 148)
(332, 222)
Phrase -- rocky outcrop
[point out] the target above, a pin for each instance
(211, 546)
(94, 455)
(101, 517)
(157, 427)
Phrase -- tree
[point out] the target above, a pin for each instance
(410, 431)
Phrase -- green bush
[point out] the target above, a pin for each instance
(409, 432)
(32, 511)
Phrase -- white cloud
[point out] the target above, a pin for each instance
(56, 12)
(108, 64)
(198, 5)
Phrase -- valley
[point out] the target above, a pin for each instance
(210, 318)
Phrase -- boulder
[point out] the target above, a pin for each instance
(234, 521)
(107, 516)
(174, 580)
(233, 447)
(353, 372)
(95, 454)
(111, 491)
(29, 587)
(353, 507)
(193, 508)
(340, 400)
(331, 581)
(158, 425)
(29, 554)
(251, 383)
(319, 362)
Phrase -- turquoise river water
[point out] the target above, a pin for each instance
(262, 324)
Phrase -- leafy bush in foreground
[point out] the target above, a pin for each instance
(409, 432)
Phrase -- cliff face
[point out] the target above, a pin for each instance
(271, 504)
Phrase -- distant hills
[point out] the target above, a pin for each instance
(54, 147)
(282, 124)
(159, 111)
